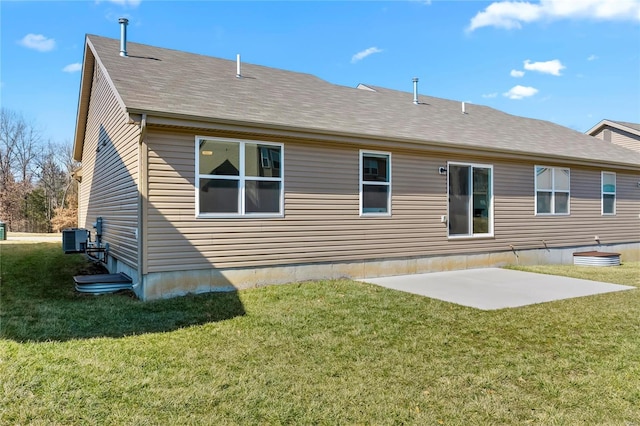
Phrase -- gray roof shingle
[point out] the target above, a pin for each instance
(168, 81)
(634, 126)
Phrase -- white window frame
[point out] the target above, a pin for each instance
(471, 234)
(241, 178)
(363, 153)
(603, 193)
(553, 191)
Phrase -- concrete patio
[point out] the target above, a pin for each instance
(494, 288)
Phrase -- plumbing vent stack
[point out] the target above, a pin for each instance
(415, 90)
(123, 36)
(238, 73)
(464, 110)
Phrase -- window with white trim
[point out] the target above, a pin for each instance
(608, 187)
(470, 200)
(375, 183)
(552, 190)
(238, 178)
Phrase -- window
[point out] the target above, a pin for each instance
(375, 183)
(608, 193)
(238, 178)
(552, 190)
(470, 200)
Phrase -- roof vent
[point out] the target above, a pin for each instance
(464, 108)
(365, 87)
(415, 90)
(238, 73)
(123, 36)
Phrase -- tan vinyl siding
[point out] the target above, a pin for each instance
(516, 223)
(625, 139)
(110, 172)
(620, 137)
(322, 221)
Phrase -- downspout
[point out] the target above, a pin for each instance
(142, 200)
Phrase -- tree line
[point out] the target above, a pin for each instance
(37, 190)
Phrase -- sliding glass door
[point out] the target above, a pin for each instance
(470, 200)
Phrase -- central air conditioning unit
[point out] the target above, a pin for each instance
(74, 240)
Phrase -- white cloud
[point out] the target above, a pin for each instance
(490, 95)
(38, 42)
(73, 67)
(520, 92)
(516, 73)
(506, 15)
(361, 55)
(125, 3)
(512, 14)
(593, 9)
(549, 67)
(592, 58)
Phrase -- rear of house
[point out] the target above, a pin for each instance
(207, 181)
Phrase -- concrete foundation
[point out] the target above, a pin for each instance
(176, 283)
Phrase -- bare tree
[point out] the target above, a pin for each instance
(18, 147)
(19, 140)
(10, 128)
(36, 180)
(52, 179)
(66, 214)
(26, 149)
(70, 167)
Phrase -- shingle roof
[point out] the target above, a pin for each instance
(168, 81)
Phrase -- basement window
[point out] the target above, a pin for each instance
(552, 190)
(238, 178)
(375, 183)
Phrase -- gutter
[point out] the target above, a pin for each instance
(168, 120)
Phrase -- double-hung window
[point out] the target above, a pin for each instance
(238, 178)
(375, 183)
(470, 200)
(552, 190)
(608, 184)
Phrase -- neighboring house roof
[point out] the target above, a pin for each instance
(170, 83)
(633, 128)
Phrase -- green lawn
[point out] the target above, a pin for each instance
(331, 352)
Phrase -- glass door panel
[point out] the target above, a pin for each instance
(459, 196)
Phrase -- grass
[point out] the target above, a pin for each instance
(329, 352)
(626, 274)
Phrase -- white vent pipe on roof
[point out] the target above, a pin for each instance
(415, 90)
(238, 73)
(464, 109)
(123, 36)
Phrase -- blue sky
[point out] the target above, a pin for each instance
(573, 62)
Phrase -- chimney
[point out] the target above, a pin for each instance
(415, 90)
(123, 36)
